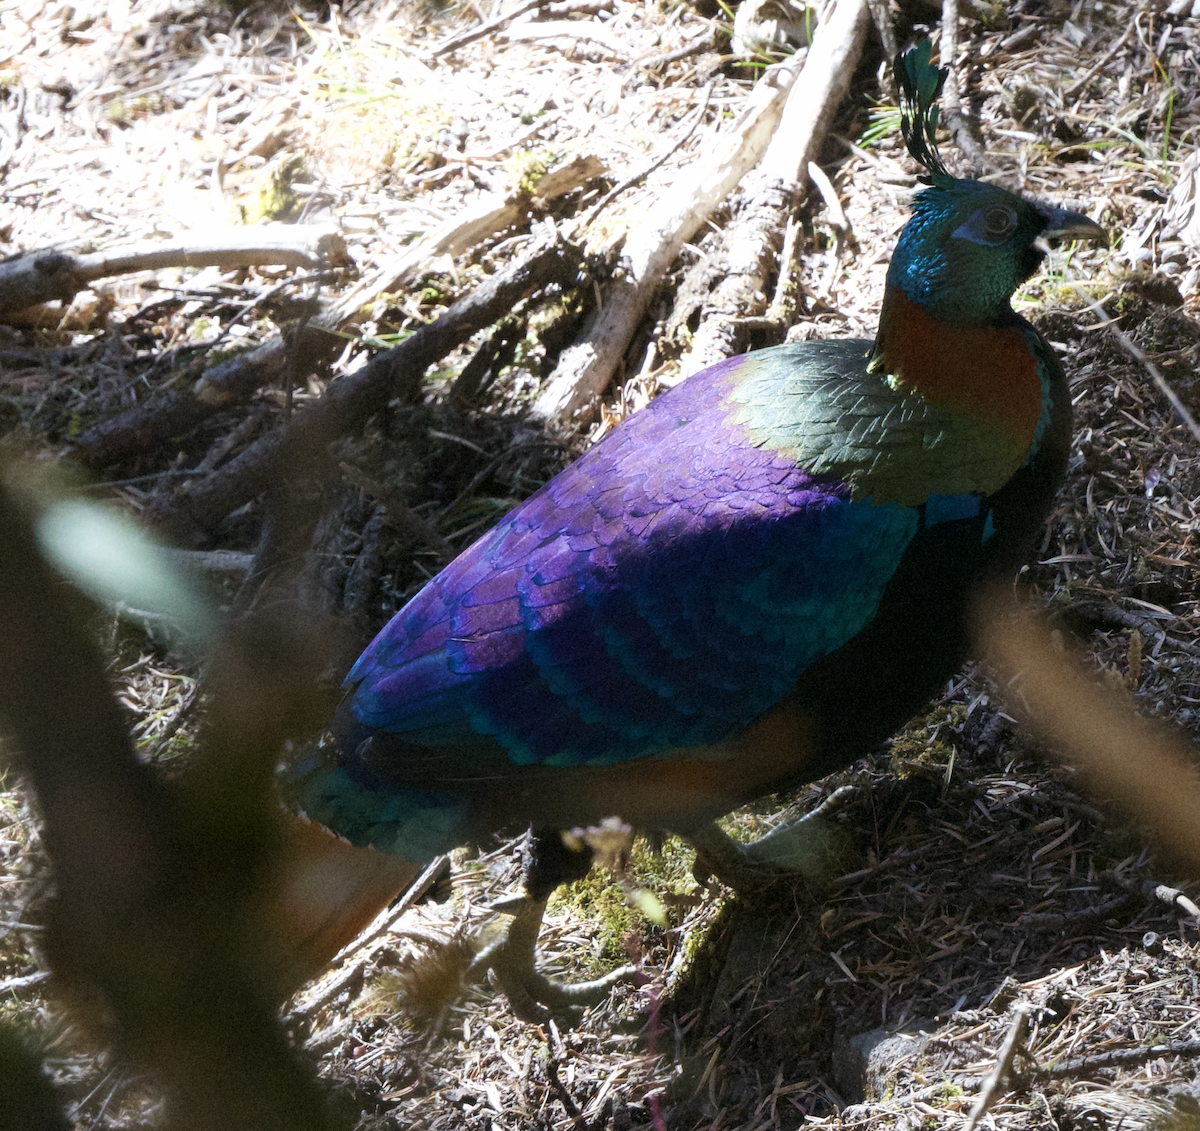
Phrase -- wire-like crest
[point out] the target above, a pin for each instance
(920, 84)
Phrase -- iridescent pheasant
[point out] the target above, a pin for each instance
(746, 585)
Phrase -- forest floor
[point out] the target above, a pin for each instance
(969, 889)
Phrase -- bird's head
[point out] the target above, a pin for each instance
(969, 244)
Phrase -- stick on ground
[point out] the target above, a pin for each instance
(44, 276)
(175, 411)
(650, 247)
(751, 240)
(350, 401)
(1004, 1059)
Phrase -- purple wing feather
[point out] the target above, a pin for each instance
(661, 592)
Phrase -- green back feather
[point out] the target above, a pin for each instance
(920, 84)
(817, 402)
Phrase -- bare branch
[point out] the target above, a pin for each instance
(651, 246)
(43, 276)
(350, 401)
(175, 411)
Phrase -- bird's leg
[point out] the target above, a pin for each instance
(533, 996)
(792, 848)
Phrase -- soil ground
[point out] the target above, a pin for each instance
(966, 886)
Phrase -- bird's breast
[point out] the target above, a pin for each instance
(987, 372)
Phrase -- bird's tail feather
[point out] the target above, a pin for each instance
(326, 892)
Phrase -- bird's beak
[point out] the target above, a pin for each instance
(1064, 225)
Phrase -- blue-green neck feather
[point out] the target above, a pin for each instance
(947, 262)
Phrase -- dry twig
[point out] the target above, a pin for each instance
(750, 242)
(1114, 1058)
(350, 402)
(952, 113)
(44, 276)
(173, 411)
(587, 366)
(1004, 1061)
(481, 31)
(1155, 375)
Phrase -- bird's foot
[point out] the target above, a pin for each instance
(791, 849)
(533, 996)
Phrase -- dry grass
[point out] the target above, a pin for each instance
(973, 879)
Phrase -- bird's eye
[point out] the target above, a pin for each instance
(998, 222)
(989, 226)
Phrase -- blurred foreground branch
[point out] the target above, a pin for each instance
(1143, 768)
(154, 935)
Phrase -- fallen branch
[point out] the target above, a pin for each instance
(573, 8)
(497, 352)
(1117, 1058)
(882, 17)
(650, 247)
(705, 41)
(435, 872)
(350, 401)
(26, 983)
(481, 31)
(952, 113)
(1105, 612)
(542, 7)
(750, 243)
(1099, 65)
(46, 276)
(823, 185)
(1075, 920)
(782, 311)
(174, 412)
(483, 218)
(1173, 897)
(648, 168)
(561, 1093)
